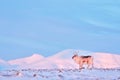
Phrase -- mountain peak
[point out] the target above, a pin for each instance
(68, 53)
(37, 56)
(27, 60)
(2, 61)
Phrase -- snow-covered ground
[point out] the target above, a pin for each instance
(61, 74)
(61, 67)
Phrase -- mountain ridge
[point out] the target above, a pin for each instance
(63, 59)
(26, 60)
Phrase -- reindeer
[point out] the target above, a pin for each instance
(82, 60)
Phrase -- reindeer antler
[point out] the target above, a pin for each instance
(76, 52)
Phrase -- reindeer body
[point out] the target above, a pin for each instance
(83, 60)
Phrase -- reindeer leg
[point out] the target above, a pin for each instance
(92, 65)
(88, 66)
(81, 65)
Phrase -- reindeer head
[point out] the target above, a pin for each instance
(75, 55)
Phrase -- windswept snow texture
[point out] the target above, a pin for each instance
(60, 74)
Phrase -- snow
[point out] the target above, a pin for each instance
(61, 67)
(29, 60)
(62, 74)
(106, 60)
(63, 60)
(3, 64)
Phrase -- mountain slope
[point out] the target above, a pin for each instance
(28, 60)
(64, 59)
(106, 60)
(3, 64)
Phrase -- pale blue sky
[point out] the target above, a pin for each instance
(50, 26)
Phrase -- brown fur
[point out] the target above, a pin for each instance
(82, 60)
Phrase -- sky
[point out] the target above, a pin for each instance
(46, 27)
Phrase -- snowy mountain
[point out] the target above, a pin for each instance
(3, 64)
(63, 60)
(28, 60)
(67, 54)
(106, 60)
(2, 61)
(101, 60)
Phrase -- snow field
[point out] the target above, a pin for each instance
(61, 74)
